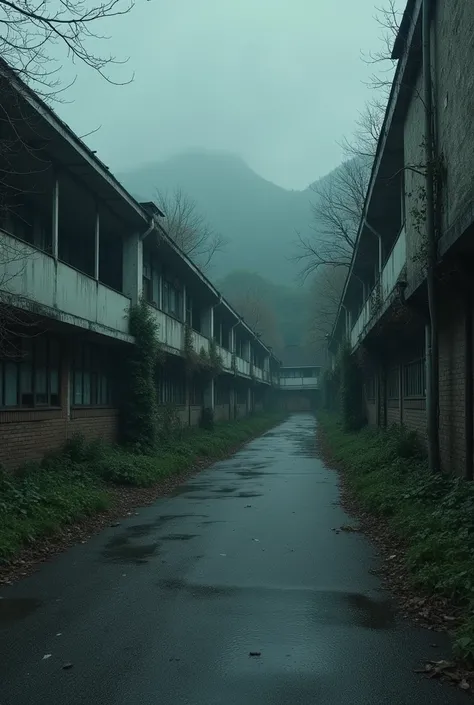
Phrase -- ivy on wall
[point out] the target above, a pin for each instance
(139, 402)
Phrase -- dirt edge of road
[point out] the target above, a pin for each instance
(426, 611)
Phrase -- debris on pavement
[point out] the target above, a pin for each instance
(255, 653)
(67, 666)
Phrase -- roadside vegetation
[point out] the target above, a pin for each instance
(65, 487)
(432, 513)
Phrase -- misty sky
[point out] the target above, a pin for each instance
(278, 82)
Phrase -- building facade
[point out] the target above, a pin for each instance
(76, 253)
(383, 312)
(300, 387)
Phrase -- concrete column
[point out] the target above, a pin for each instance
(209, 395)
(133, 267)
(184, 302)
(96, 244)
(55, 218)
(232, 402)
(249, 400)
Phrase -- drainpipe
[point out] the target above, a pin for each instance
(148, 230)
(432, 334)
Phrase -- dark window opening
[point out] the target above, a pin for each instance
(91, 380)
(30, 377)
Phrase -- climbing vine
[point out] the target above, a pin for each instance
(139, 408)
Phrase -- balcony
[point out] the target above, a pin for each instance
(171, 336)
(299, 383)
(379, 297)
(34, 280)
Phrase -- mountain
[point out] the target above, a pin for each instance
(258, 219)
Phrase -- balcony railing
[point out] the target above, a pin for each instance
(296, 383)
(171, 336)
(33, 279)
(373, 306)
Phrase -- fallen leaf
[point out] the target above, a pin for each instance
(116, 523)
(464, 685)
(255, 653)
(349, 528)
(59, 634)
(67, 666)
(46, 656)
(223, 554)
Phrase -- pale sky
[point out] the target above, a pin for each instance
(278, 82)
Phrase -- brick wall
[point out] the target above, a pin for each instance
(28, 434)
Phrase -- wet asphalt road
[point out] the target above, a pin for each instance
(166, 607)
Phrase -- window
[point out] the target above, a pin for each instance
(196, 393)
(147, 278)
(172, 298)
(90, 379)
(30, 377)
(170, 389)
(393, 383)
(222, 393)
(189, 311)
(241, 396)
(415, 379)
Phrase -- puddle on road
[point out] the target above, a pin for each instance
(14, 609)
(122, 549)
(353, 609)
(189, 489)
(195, 590)
(178, 537)
(373, 614)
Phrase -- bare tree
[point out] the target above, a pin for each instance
(29, 29)
(188, 228)
(339, 198)
(260, 317)
(325, 294)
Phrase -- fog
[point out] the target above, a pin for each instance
(278, 82)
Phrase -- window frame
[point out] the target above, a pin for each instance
(97, 370)
(51, 368)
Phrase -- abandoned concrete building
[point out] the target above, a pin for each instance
(383, 310)
(77, 251)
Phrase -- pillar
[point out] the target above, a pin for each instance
(55, 218)
(133, 267)
(96, 244)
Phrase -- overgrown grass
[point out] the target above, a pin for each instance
(42, 497)
(434, 514)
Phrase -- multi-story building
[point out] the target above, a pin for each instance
(384, 308)
(76, 252)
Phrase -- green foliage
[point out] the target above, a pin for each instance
(433, 513)
(139, 409)
(169, 423)
(41, 499)
(352, 405)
